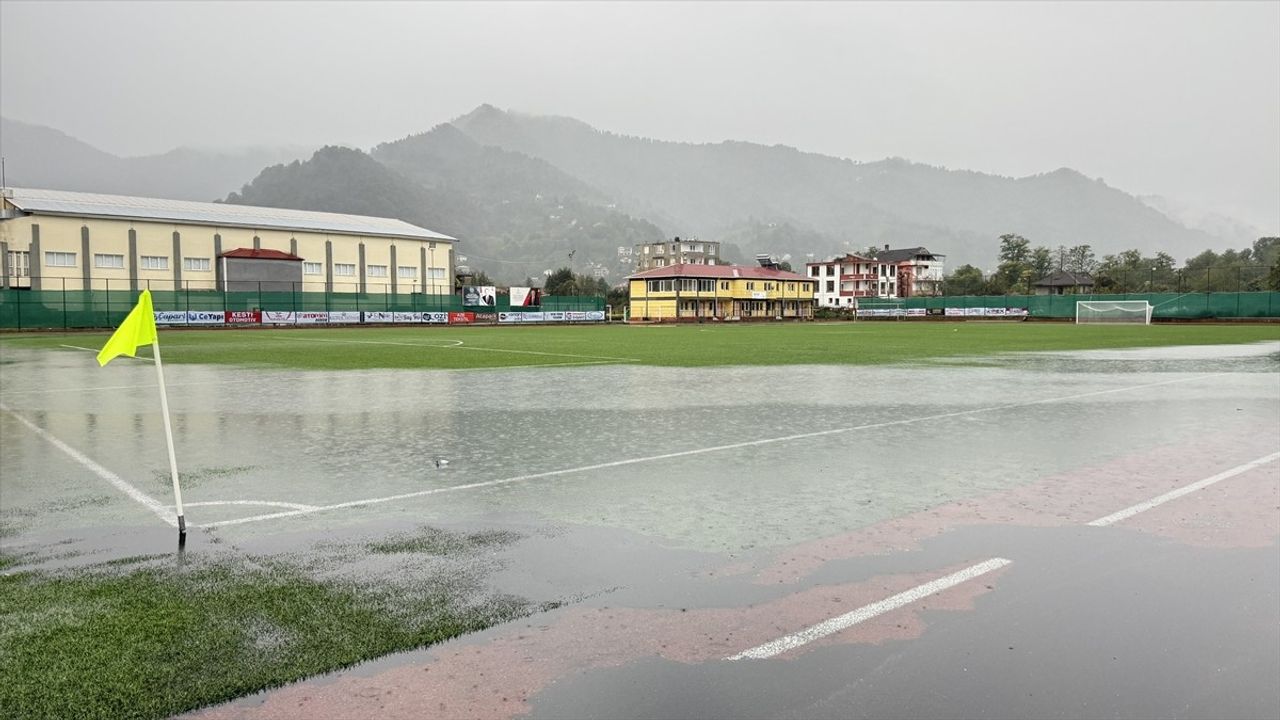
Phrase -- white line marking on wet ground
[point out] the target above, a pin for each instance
(696, 451)
(144, 358)
(1141, 507)
(866, 612)
(142, 498)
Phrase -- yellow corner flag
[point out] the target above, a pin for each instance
(138, 329)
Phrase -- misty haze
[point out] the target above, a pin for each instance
(639, 359)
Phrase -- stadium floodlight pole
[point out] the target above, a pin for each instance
(168, 437)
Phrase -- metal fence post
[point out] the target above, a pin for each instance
(64, 304)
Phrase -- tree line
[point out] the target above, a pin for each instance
(1021, 265)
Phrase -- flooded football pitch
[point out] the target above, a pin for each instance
(712, 490)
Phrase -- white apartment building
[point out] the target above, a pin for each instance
(890, 274)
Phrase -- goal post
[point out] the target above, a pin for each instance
(1113, 311)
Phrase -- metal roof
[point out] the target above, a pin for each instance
(79, 204)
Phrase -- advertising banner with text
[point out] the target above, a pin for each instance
(206, 317)
(171, 317)
(319, 317)
(461, 318)
(344, 316)
(378, 316)
(525, 297)
(243, 317)
(278, 317)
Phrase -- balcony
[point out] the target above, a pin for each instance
(858, 276)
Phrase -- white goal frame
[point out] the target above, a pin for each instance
(1122, 311)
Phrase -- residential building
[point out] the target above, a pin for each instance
(52, 239)
(1064, 282)
(920, 272)
(677, 252)
(908, 272)
(842, 280)
(722, 292)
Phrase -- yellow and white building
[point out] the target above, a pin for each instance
(53, 239)
(723, 292)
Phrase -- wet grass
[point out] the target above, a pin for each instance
(434, 541)
(683, 345)
(148, 637)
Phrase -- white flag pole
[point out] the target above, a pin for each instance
(168, 436)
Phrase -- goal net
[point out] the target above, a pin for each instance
(1113, 311)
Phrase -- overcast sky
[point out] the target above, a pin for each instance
(1178, 99)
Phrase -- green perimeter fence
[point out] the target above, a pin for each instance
(68, 309)
(1179, 306)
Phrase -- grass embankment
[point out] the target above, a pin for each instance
(150, 637)
(683, 345)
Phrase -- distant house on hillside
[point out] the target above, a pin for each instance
(919, 271)
(1064, 282)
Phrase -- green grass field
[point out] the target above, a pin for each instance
(682, 345)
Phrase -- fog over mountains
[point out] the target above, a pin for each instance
(525, 192)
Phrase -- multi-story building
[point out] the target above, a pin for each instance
(901, 273)
(677, 252)
(919, 271)
(724, 292)
(51, 239)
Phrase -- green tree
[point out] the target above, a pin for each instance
(1080, 259)
(1041, 261)
(1014, 249)
(966, 280)
(561, 282)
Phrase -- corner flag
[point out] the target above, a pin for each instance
(138, 329)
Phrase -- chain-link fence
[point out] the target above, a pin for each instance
(62, 304)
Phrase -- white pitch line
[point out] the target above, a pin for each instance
(142, 498)
(696, 451)
(131, 357)
(1129, 512)
(866, 612)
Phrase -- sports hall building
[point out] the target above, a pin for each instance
(53, 239)
(721, 292)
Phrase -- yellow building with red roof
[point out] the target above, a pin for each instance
(691, 292)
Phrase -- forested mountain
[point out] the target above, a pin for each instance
(527, 194)
(37, 156)
(713, 189)
(517, 217)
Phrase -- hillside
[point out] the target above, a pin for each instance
(516, 217)
(714, 189)
(37, 156)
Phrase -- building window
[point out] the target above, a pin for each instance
(59, 259)
(312, 268)
(724, 285)
(407, 272)
(101, 260)
(376, 270)
(344, 269)
(751, 286)
(706, 286)
(813, 270)
(435, 273)
(831, 286)
(688, 285)
(831, 269)
(19, 263)
(154, 262)
(195, 264)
